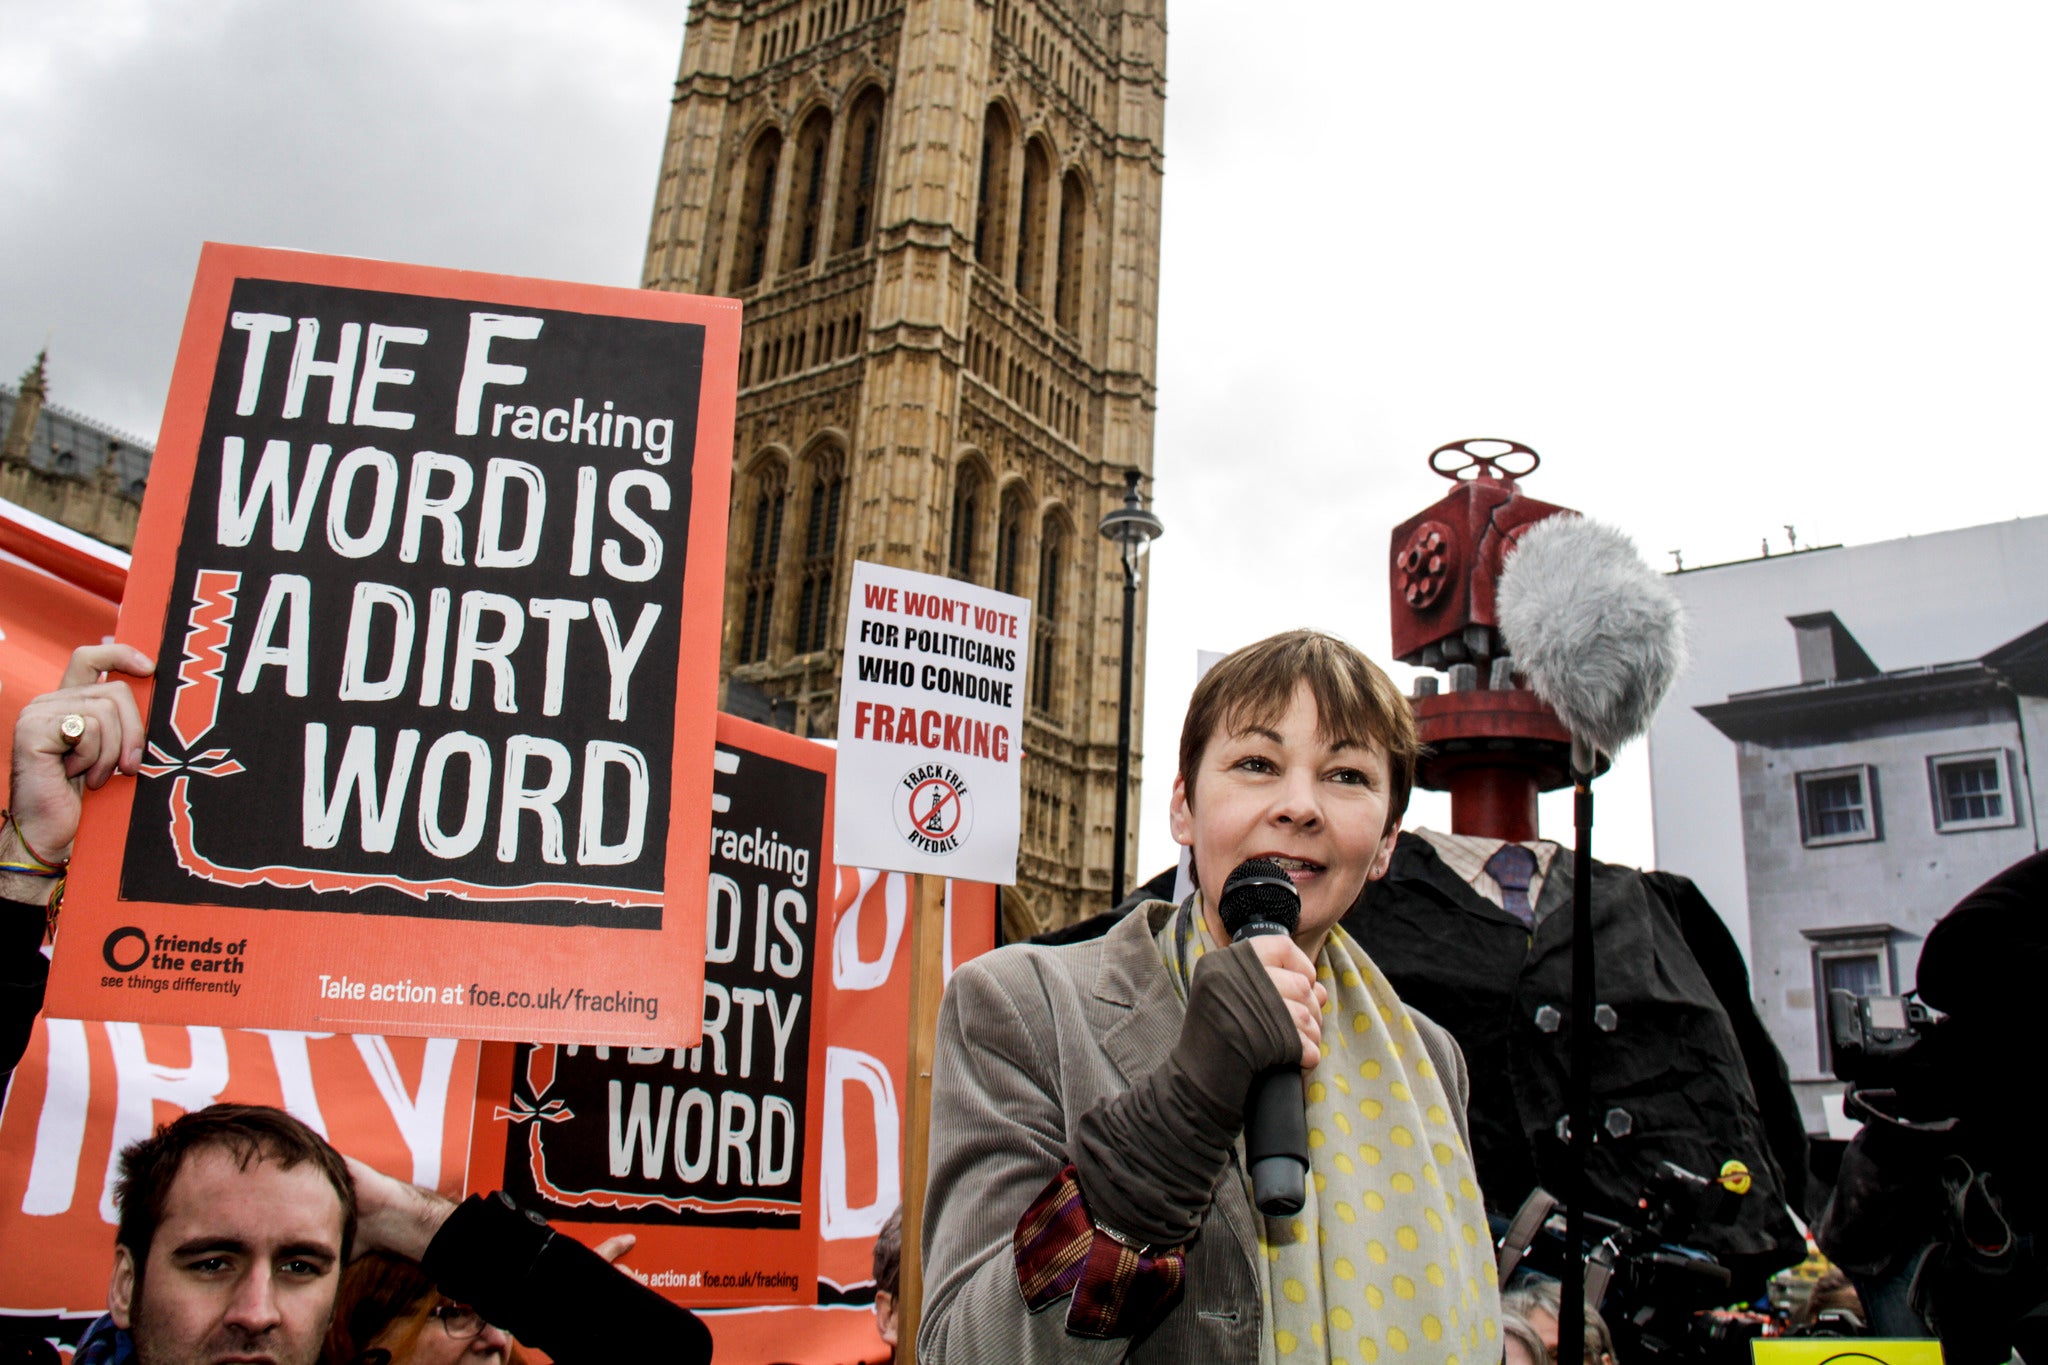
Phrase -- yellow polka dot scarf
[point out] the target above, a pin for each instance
(1389, 1259)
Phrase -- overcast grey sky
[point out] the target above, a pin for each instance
(1728, 268)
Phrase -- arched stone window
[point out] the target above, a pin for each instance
(991, 215)
(757, 208)
(860, 168)
(1010, 540)
(764, 557)
(967, 491)
(802, 238)
(823, 512)
(1066, 296)
(1045, 615)
(1031, 207)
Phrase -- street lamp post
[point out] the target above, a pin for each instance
(1131, 528)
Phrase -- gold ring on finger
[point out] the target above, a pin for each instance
(72, 728)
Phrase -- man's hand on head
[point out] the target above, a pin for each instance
(393, 1216)
(51, 770)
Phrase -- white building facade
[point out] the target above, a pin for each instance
(1858, 745)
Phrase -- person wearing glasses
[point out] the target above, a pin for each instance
(259, 1215)
(388, 1313)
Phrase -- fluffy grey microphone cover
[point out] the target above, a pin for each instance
(1596, 631)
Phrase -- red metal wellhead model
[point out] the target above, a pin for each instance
(1493, 745)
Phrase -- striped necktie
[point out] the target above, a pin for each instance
(1512, 866)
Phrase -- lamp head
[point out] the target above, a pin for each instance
(1132, 527)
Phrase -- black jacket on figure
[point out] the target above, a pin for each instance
(1688, 1061)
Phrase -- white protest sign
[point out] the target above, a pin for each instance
(931, 726)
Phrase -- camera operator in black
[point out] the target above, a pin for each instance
(1686, 1061)
(1939, 1208)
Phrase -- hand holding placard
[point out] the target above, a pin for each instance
(52, 768)
(416, 563)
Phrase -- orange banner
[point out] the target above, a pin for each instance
(45, 613)
(85, 1090)
(431, 564)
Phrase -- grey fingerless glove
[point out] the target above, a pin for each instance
(1148, 1159)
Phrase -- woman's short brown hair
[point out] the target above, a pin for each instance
(1355, 700)
(378, 1292)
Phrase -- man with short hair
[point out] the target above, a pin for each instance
(888, 1266)
(236, 1220)
(235, 1223)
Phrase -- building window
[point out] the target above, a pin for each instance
(966, 515)
(1838, 806)
(860, 167)
(757, 206)
(1066, 306)
(1859, 973)
(1010, 541)
(1856, 959)
(800, 247)
(1045, 620)
(821, 554)
(1031, 211)
(1971, 791)
(758, 612)
(991, 209)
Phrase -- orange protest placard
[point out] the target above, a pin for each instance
(708, 1154)
(755, 1168)
(431, 565)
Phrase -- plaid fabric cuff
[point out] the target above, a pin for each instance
(1119, 1290)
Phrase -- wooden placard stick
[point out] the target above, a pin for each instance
(927, 983)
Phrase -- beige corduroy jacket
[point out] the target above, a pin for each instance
(1029, 1039)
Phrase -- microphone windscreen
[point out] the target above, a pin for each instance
(1598, 633)
(1259, 891)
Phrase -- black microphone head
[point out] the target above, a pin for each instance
(1259, 891)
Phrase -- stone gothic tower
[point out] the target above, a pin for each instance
(943, 217)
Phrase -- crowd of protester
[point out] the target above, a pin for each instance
(1087, 1104)
(242, 1234)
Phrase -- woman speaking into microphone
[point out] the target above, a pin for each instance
(1090, 1196)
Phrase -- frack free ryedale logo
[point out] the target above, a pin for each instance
(933, 809)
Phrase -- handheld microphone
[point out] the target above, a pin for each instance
(1259, 898)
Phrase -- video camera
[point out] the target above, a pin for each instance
(1655, 1293)
(1873, 1037)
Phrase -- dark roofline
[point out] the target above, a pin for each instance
(2024, 659)
(1778, 715)
(72, 414)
